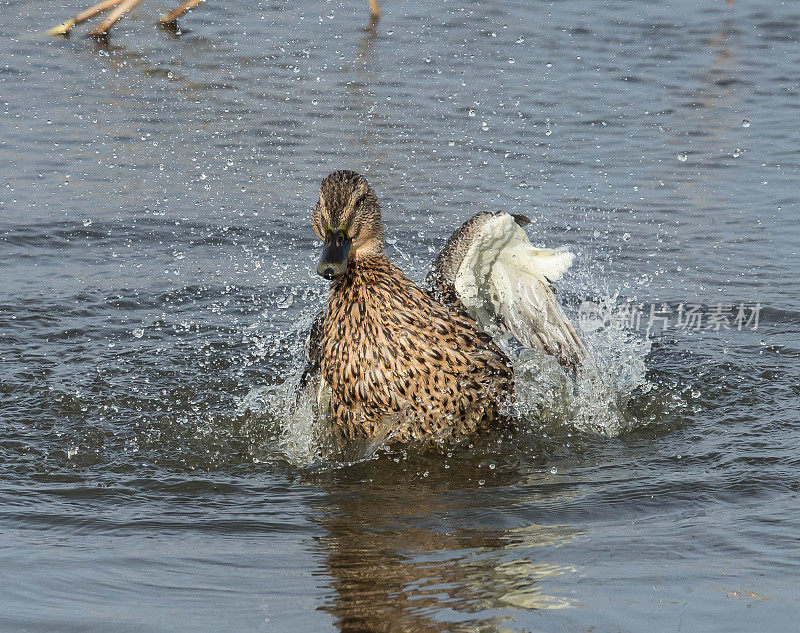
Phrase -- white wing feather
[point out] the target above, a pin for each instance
(504, 282)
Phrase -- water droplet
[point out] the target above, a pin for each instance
(285, 302)
(626, 237)
(682, 157)
(745, 123)
(471, 112)
(737, 152)
(138, 332)
(511, 60)
(72, 451)
(553, 470)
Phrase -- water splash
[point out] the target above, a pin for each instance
(297, 432)
(282, 421)
(596, 399)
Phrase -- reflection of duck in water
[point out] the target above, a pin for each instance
(401, 555)
(389, 360)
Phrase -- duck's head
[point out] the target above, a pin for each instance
(347, 219)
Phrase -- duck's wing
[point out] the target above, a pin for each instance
(312, 384)
(490, 269)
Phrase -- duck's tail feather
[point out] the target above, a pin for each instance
(506, 284)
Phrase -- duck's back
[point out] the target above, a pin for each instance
(398, 363)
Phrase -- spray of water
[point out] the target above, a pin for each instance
(281, 414)
(596, 399)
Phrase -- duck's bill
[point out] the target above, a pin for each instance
(333, 262)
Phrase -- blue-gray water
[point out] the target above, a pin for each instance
(156, 271)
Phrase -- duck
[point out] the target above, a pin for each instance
(392, 361)
(169, 20)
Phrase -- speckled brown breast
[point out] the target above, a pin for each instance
(403, 365)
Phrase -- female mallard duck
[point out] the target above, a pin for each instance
(388, 360)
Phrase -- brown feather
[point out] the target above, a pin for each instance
(388, 348)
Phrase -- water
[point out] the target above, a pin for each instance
(157, 276)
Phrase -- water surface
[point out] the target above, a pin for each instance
(157, 260)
